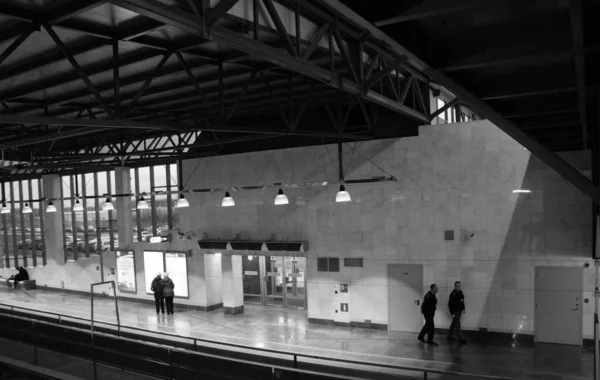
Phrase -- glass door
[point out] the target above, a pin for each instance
(295, 284)
(274, 281)
(251, 277)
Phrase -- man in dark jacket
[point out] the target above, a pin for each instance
(21, 276)
(456, 304)
(157, 288)
(428, 309)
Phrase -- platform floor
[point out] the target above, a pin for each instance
(289, 330)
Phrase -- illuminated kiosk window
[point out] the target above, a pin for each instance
(153, 264)
(176, 264)
(126, 272)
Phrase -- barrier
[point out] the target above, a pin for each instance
(290, 362)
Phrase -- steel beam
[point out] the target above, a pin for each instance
(477, 105)
(50, 137)
(16, 43)
(153, 9)
(451, 103)
(77, 67)
(428, 9)
(219, 11)
(577, 33)
(176, 127)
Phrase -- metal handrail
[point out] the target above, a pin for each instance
(294, 355)
(175, 349)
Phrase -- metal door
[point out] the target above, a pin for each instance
(558, 306)
(405, 292)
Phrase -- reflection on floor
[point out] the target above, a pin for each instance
(288, 329)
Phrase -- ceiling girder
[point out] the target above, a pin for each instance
(480, 107)
(181, 19)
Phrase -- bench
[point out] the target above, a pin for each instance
(26, 285)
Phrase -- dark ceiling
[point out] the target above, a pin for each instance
(533, 61)
(101, 83)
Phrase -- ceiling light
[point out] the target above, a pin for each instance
(227, 200)
(182, 202)
(4, 209)
(142, 204)
(51, 207)
(281, 198)
(217, 254)
(27, 209)
(250, 257)
(78, 206)
(521, 191)
(108, 205)
(342, 195)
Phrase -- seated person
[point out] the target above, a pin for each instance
(21, 276)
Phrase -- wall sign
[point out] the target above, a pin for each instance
(125, 272)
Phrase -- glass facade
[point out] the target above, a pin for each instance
(22, 228)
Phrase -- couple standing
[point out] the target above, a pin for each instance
(456, 305)
(163, 289)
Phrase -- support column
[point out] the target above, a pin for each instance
(233, 286)
(53, 222)
(123, 207)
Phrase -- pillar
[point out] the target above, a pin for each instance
(233, 286)
(53, 222)
(123, 206)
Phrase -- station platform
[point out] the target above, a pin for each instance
(289, 330)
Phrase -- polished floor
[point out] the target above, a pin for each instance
(287, 329)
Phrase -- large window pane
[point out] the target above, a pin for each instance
(161, 201)
(174, 184)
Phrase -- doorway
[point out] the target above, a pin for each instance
(275, 281)
(558, 306)
(405, 288)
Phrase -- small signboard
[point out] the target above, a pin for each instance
(343, 288)
(251, 273)
(344, 307)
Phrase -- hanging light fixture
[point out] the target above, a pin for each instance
(27, 209)
(182, 202)
(4, 209)
(281, 198)
(142, 204)
(78, 207)
(51, 207)
(227, 200)
(108, 205)
(342, 195)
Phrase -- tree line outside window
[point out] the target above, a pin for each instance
(22, 234)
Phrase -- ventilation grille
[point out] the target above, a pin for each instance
(353, 262)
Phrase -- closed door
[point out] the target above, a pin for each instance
(295, 270)
(558, 305)
(405, 285)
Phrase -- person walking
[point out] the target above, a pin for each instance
(168, 292)
(428, 310)
(157, 288)
(456, 304)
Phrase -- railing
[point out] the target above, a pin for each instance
(292, 357)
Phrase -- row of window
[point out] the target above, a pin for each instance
(450, 115)
(22, 224)
(95, 229)
(88, 227)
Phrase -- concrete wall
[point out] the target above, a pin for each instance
(450, 177)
